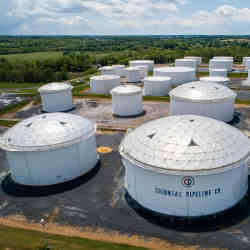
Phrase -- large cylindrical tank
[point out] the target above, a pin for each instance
(157, 85)
(216, 79)
(218, 72)
(186, 166)
(207, 99)
(179, 75)
(56, 97)
(133, 74)
(102, 84)
(119, 70)
(127, 100)
(148, 63)
(224, 58)
(143, 71)
(191, 63)
(245, 59)
(197, 58)
(108, 70)
(247, 82)
(221, 64)
(50, 149)
(247, 64)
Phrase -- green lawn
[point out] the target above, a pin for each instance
(32, 56)
(19, 239)
(230, 74)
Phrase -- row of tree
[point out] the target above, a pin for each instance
(52, 69)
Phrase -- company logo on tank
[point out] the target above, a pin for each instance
(188, 181)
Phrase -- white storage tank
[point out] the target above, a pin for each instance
(157, 85)
(102, 84)
(247, 64)
(108, 70)
(186, 166)
(56, 97)
(221, 64)
(247, 82)
(191, 63)
(50, 149)
(143, 71)
(197, 58)
(133, 74)
(224, 58)
(119, 70)
(127, 100)
(218, 72)
(179, 75)
(216, 79)
(211, 100)
(245, 59)
(148, 63)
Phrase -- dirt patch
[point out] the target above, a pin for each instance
(19, 221)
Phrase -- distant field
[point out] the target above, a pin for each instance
(10, 85)
(32, 56)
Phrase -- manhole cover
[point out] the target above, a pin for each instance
(104, 150)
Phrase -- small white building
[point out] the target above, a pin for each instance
(206, 99)
(108, 70)
(218, 72)
(133, 74)
(191, 63)
(157, 85)
(216, 79)
(187, 166)
(50, 149)
(197, 58)
(56, 97)
(179, 75)
(127, 101)
(102, 84)
(221, 64)
(148, 63)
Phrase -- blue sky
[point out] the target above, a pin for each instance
(78, 17)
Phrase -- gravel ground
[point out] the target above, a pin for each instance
(101, 112)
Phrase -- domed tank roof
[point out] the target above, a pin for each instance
(157, 78)
(202, 92)
(126, 90)
(55, 87)
(104, 77)
(142, 61)
(47, 131)
(134, 68)
(215, 79)
(185, 60)
(175, 69)
(106, 68)
(187, 143)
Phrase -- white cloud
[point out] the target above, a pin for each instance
(118, 16)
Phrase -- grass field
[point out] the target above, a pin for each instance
(13, 85)
(32, 56)
(12, 238)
